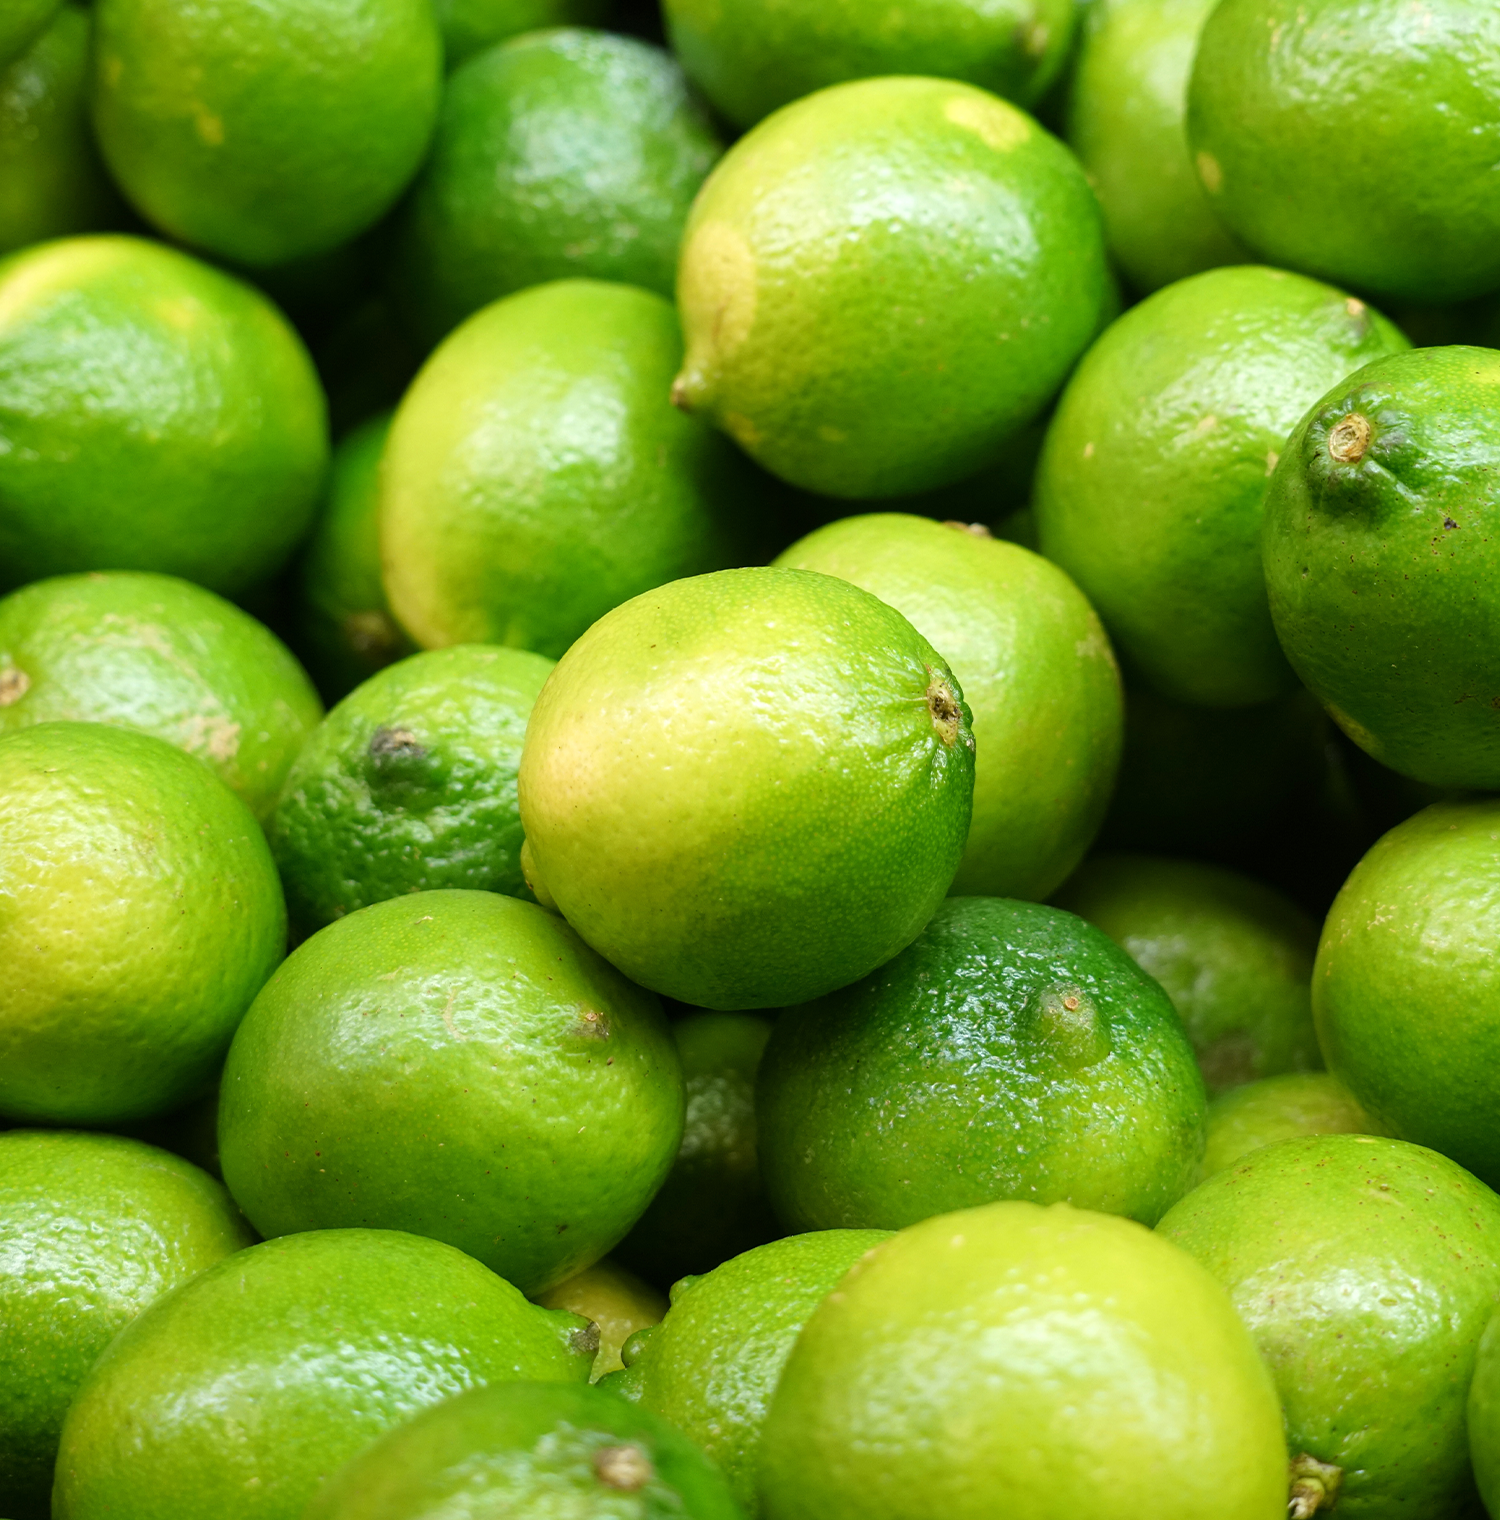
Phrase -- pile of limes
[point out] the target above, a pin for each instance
(749, 759)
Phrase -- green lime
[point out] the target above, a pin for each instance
(1396, 108)
(1366, 1269)
(1037, 672)
(1484, 1417)
(93, 1228)
(409, 785)
(21, 23)
(237, 1396)
(712, 1365)
(1041, 1364)
(566, 153)
(536, 475)
(1279, 1108)
(617, 1302)
(1011, 1051)
(163, 657)
(155, 414)
(459, 1065)
(748, 789)
(1176, 417)
(270, 131)
(1379, 563)
(139, 915)
(884, 282)
(713, 1204)
(471, 25)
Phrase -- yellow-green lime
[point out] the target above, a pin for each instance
(1279, 1108)
(471, 25)
(1483, 1417)
(615, 1300)
(22, 23)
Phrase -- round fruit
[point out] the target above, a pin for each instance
(1260, 1113)
(486, 537)
(1153, 478)
(142, 913)
(409, 785)
(563, 153)
(93, 1228)
(266, 132)
(1484, 1417)
(237, 1396)
(616, 1301)
(471, 25)
(883, 283)
(1366, 1269)
(155, 414)
(21, 23)
(1027, 1362)
(748, 789)
(1382, 561)
(459, 1065)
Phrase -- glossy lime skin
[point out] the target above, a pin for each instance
(1398, 109)
(712, 1365)
(1484, 1417)
(265, 133)
(93, 1228)
(139, 915)
(163, 657)
(1035, 1363)
(563, 154)
(1406, 991)
(485, 536)
(617, 1302)
(1153, 477)
(459, 1065)
(737, 790)
(1285, 1107)
(409, 785)
(1366, 1269)
(156, 414)
(958, 1074)
(1382, 566)
(884, 282)
(237, 1396)
(1037, 672)
(471, 25)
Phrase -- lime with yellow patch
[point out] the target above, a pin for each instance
(1287, 1107)
(615, 1300)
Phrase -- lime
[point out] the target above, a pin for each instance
(155, 414)
(1153, 478)
(21, 23)
(617, 1302)
(270, 131)
(409, 784)
(1037, 672)
(1401, 117)
(536, 475)
(1366, 1270)
(882, 283)
(1484, 1417)
(139, 915)
(459, 1065)
(237, 1396)
(1040, 1364)
(470, 25)
(566, 153)
(713, 1363)
(93, 1228)
(1279, 1108)
(748, 789)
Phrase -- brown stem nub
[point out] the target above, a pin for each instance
(947, 715)
(14, 684)
(1313, 1486)
(1349, 438)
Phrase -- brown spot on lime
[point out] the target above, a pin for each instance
(1313, 1486)
(942, 703)
(1349, 438)
(14, 684)
(626, 1468)
(1449, 524)
(591, 1025)
(585, 1339)
(392, 743)
(977, 529)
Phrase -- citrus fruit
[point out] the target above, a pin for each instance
(713, 1204)
(1366, 1269)
(1406, 992)
(93, 1228)
(712, 1364)
(470, 25)
(265, 132)
(1037, 672)
(163, 657)
(566, 153)
(155, 414)
(1484, 1417)
(1126, 122)
(1399, 117)
(1011, 1051)
(22, 23)
(617, 1302)
(883, 282)
(536, 475)
(235, 1397)
(459, 1065)
(1027, 1362)
(747, 789)
(1153, 478)
(549, 1451)
(1379, 564)
(139, 915)
(752, 56)
(409, 784)
(1285, 1107)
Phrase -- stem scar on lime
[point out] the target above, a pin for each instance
(947, 715)
(1314, 1486)
(1350, 438)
